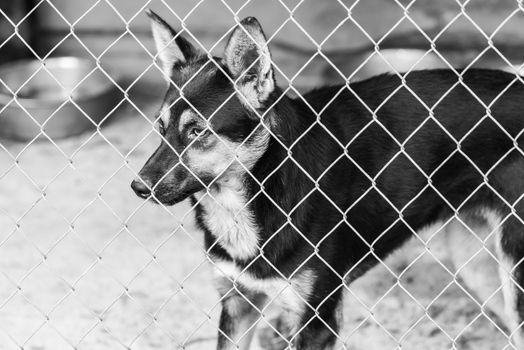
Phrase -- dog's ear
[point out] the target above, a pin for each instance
(248, 59)
(171, 48)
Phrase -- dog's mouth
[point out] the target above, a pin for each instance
(168, 199)
(167, 195)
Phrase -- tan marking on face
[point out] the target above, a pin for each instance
(165, 114)
(213, 160)
(249, 154)
(186, 117)
(225, 157)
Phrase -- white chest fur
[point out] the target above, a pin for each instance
(227, 216)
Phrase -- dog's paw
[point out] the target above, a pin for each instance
(275, 336)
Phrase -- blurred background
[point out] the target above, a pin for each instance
(84, 264)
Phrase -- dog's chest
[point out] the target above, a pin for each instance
(226, 215)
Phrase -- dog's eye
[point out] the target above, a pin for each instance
(196, 132)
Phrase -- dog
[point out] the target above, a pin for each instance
(298, 197)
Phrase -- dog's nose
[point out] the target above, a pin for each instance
(141, 189)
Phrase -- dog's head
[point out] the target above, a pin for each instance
(211, 119)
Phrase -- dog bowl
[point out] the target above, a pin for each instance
(69, 96)
(370, 63)
(399, 60)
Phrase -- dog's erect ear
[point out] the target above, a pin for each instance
(171, 48)
(248, 59)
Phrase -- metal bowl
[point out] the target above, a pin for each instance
(398, 60)
(69, 96)
(369, 63)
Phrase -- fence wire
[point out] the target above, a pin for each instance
(29, 336)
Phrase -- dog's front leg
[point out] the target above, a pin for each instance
(320, 323)
(239, 316)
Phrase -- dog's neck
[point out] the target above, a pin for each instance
(245, 209)
(275, 167)
(228, 216)
(276, 184)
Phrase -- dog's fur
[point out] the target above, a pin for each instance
(299, 197)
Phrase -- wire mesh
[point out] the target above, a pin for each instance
(76, 287)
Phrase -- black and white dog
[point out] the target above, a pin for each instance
(299, 197)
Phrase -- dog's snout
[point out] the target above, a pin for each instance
(141, 188)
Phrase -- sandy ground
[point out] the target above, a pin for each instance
(86, 264)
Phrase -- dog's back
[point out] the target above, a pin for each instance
(420, 148)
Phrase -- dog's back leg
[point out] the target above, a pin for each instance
(483, 243)
(507, 179)
(470, 244)
(510, 249)
(321, 321)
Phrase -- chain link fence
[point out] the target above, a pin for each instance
(84, 264)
